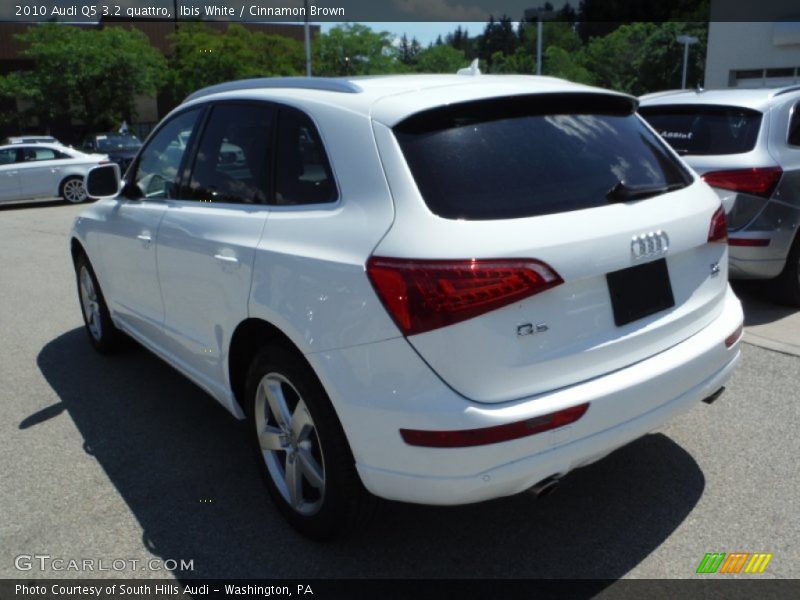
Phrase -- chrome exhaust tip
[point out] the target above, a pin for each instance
(545, 487)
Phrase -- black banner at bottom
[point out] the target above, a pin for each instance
(391, 589)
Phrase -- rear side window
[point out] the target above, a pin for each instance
(704, 130)
(532, 155)
(33, 154)
(302, 173)
(232, 162)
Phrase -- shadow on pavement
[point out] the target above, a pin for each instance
(184, 468)
(34, 204)
(759, 307)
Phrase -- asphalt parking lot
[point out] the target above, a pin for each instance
(123, 458)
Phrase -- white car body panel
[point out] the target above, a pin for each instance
(205, 267)
(181, 276)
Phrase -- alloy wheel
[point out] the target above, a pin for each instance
(74, 191)
(290, 444)
(90, 304)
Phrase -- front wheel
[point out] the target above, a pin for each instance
(72, 190)
(103, 335)
(302, 449)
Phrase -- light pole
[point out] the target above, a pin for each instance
(540, 15)
(686, 40)
(307, 35)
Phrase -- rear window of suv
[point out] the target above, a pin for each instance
(532, 155)
(705, 130)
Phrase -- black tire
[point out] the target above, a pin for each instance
(65, 190)
(344, 504)
(104, 337)
(786, 287)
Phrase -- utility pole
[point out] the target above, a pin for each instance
(307, 35)
(686, 40)
(540, 15)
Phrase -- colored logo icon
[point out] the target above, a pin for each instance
(733, 563)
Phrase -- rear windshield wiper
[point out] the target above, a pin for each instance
(622, 192)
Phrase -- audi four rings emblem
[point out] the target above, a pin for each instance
(648, 245)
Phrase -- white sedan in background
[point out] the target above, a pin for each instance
(31, 171)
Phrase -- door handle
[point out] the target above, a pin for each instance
(232, 260)
(144, 238)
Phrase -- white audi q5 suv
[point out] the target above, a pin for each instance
(434, 289)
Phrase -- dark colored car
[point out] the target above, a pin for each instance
(121, 148)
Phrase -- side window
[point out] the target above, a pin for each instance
(233, 157)
(794, 126)
(303, 174)
(156, 173)
(33, 154)
(8, 156)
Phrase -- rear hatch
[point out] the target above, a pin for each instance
(541, 241)
(720, 143)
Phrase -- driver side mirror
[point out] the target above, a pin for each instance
(103, 181)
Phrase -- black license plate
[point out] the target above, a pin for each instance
(640, 291)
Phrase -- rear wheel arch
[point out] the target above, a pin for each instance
(248, 338)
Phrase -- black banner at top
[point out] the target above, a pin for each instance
(88, 11)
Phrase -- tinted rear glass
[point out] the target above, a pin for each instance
(532, 155)
(703, 130)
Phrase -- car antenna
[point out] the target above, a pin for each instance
(472, 70)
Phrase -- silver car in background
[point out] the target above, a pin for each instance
(746, 144)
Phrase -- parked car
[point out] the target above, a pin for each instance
(32, 171)
(30, 139)
(746, 144)
(434, 289)
(120, 148)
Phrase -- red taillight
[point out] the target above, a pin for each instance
(734, 337)
(758, 182)
(718, 231)
(421, 295)
(492, 435)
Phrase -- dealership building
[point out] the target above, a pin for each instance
(753, 54)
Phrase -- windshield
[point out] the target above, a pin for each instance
(534, 155)
(705, 130)
(109, 143)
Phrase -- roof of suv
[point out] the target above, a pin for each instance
(757, 98)
(391, 98)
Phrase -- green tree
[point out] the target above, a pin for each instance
(498, 36)
(441, 59)
(408, 50)
(89, 74)
(202, 56)
(645, 57)
(355, 49)
(560, 63)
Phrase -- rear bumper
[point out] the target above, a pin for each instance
(758, 262)
(379, 388)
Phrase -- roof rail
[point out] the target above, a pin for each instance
(785, 90)
(652, 95)
(326, 84)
